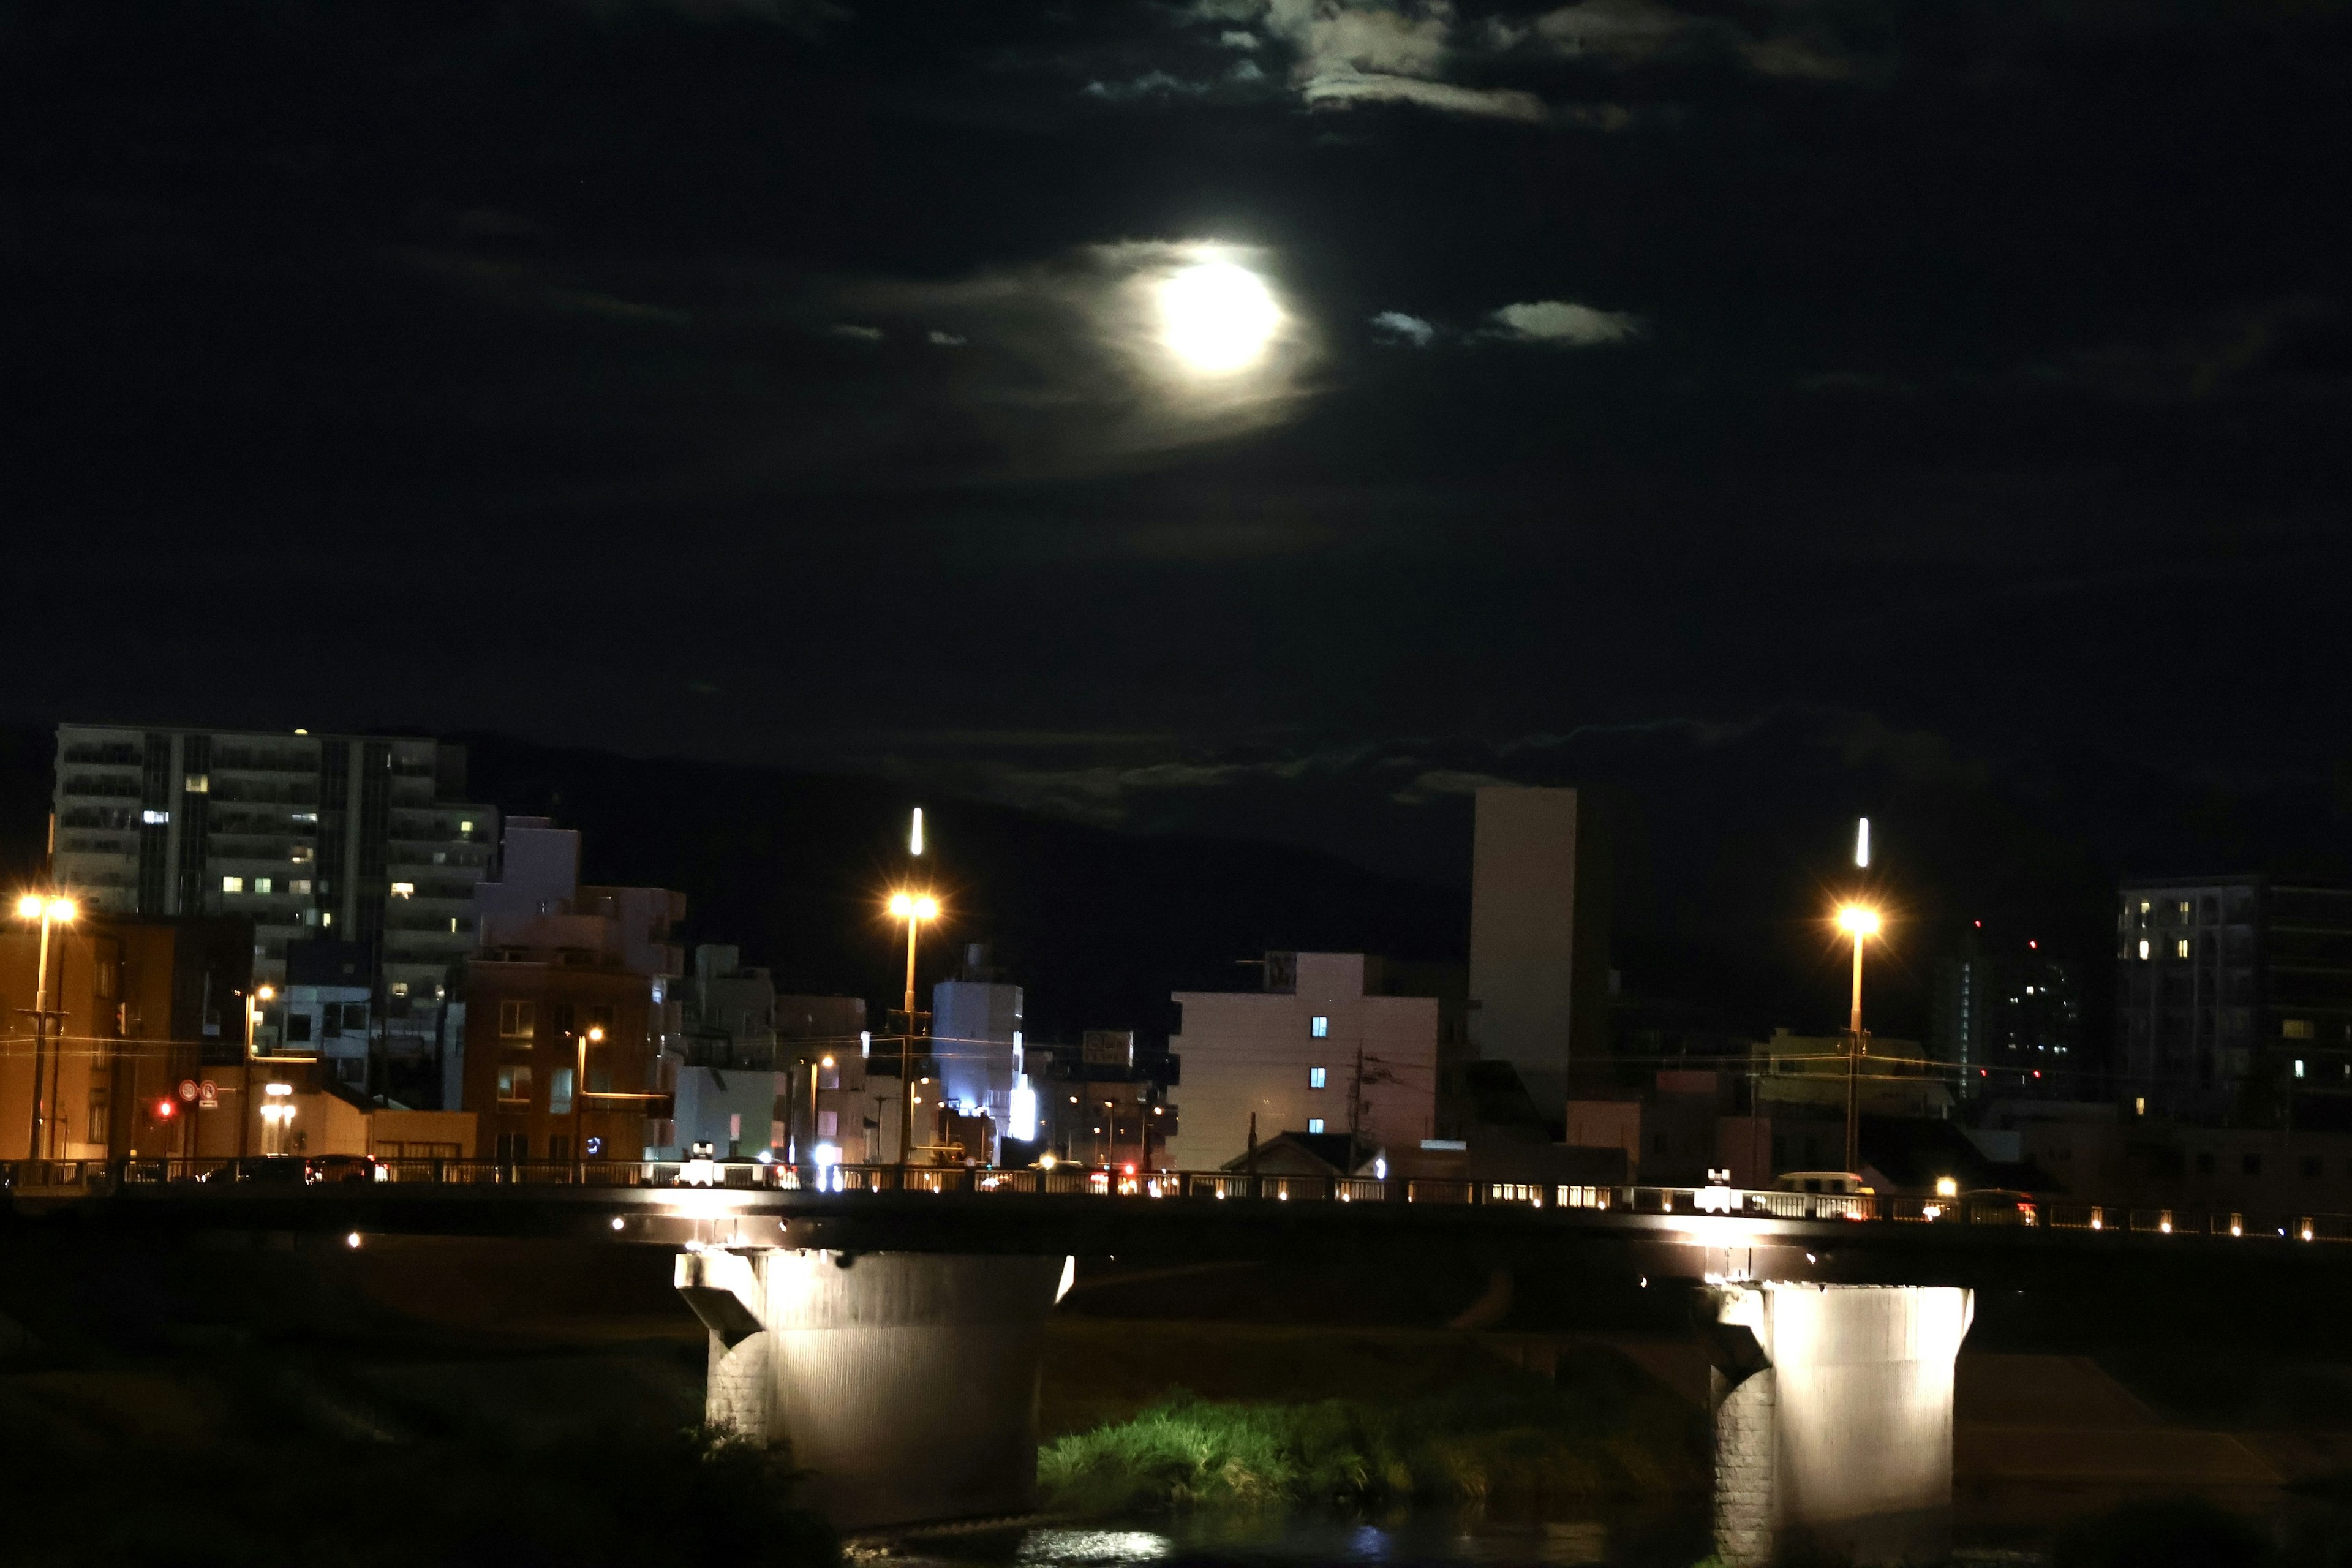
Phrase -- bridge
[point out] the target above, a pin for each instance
(888, 1322)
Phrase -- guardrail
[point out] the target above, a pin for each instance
(67, 1178)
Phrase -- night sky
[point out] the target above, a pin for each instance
(1816, 400)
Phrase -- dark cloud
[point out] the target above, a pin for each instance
(1978, 367)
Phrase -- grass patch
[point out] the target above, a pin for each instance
(1600, 1431)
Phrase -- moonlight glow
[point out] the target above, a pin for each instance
(1216, 317)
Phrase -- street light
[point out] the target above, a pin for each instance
(1860, 922)
(262, 995)
(595, 1037)
(914, 909)
(826, 1063)
(49, 910)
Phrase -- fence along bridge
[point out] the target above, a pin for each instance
(888, 1322)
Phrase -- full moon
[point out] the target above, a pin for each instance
(1217, 317)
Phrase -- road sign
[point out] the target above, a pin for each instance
(187, 1089)
(208, 1094)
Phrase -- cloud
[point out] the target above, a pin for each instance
(1396, 327)
(1150, 84)
(945, 339)
(863, 334)
(1632, 32)
(1349, 52)
(1562, 323)
(1236, 38)
(1340, 88)
(1070, 368)
(1623, 30)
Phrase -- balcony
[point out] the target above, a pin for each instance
(102, 786)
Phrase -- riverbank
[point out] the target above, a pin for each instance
(1147, 1416)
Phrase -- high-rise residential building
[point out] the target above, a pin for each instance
(1538, 936)
(1319, 1049)
(364, 839)
(2007, 1018)
(2234, 1000)
(571, 980)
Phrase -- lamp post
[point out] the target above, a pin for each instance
(825, 1063)
(262, 995)
(594, 1036)
(914, 909)
(49, 910)
(1860, 922)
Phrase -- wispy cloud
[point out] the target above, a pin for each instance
(1396, 327)
(863, 334)
(1565, 323)
(1349, 52)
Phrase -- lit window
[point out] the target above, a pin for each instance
(261, 884)
(453, 923)
(197, 784)
(326, 917)
(2298, 1066)
(2143, 949)
(404, 890)
(232, 884)
(400, 988)
(299, 885)
(465, 827)
(2180, 948)
(2298, 1029)
(1316, 1075)
(1319, 1027)
(1314, 1124)
(303, 855)
(155, 818)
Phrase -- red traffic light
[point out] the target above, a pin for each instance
(165, 1110)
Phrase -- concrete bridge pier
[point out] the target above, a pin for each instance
(905, 1383)
(1833, 1420)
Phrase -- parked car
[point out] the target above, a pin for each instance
(1842, 1181)
(299, 1171)
(1999, 1206)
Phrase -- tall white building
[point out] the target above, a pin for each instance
(1318, 1049)
(1539, 937)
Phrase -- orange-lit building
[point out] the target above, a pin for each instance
(572, 1031)
(138, 1005)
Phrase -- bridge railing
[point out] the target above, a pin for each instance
(67, 1179)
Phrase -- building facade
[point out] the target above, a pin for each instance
(360, 838)
(573, 1031)
(1539, 938)
(1318, 1050)
(137, 1007)
(976, 1038)
(2009, 1021)
(2234, 1001)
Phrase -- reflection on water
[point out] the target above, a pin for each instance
(1273, 1539)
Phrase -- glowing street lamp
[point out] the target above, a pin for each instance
(1860, 922)
(914, 909)
(49, 910)
(594, 1036)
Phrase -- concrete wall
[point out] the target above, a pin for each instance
(907, 1383)
(1833, 1420)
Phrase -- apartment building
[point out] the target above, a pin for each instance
(362, 839)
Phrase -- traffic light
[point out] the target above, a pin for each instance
(165, 1110)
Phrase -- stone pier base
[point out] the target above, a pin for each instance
(1833, 1420)
(905, 1382)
